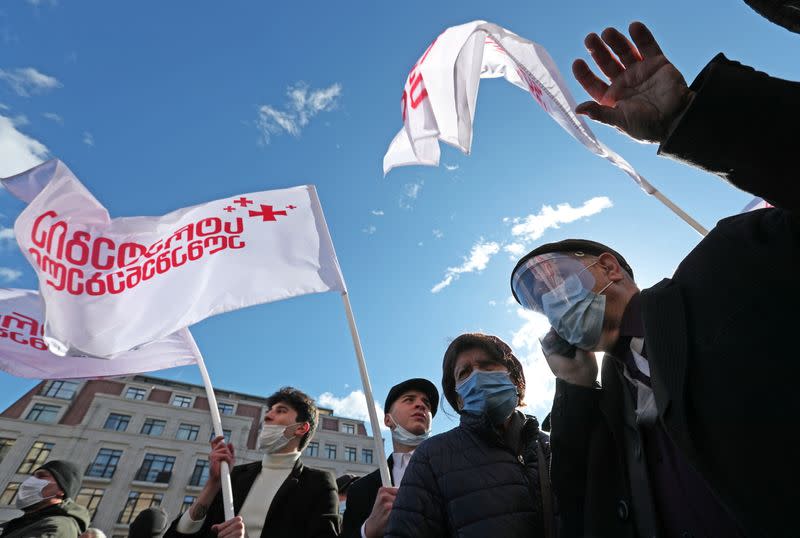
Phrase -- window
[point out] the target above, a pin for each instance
(5, 446)
(225, 408)
(187, 432)
(135, 393)
(350, 453)
(349, 428)
(366, 455)
(37, 455)
(89, 498)
(117, 422)
(330, 452)
(43, 413)
(330, 424)
(182, 401)
(9, 495)
(60, 389)
(225, 433)
(156, 468)
(153, 426)
(312, 450)
(138, 501)
(200, 474)
(188, 501)
(104, 464)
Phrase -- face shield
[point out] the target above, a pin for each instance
(559, 285)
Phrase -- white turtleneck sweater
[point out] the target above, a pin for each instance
(275, 468)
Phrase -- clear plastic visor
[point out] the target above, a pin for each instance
(561, 277)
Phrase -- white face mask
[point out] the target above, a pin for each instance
(30, 492)
(405, 437)
(273, 437)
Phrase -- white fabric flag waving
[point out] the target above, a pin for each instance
(24, 353)
(112, 284)
(439, 97)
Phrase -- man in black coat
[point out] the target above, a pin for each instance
(696, 361)
(277, 497)
(409, 408)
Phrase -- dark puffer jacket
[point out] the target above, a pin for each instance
(469, 483)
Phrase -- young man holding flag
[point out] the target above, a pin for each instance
(409, 409)
(277, 497)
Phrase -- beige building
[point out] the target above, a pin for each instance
(143, 441)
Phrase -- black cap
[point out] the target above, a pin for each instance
(344, 481)
(422, 385)
(571, 245)
(66, 474)
(150, 522)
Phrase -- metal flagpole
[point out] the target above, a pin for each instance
(386, 478)
(225, 473)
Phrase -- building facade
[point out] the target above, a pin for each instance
(142, 441)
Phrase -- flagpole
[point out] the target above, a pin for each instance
(216, 423)
(386, 478)
(680, 212)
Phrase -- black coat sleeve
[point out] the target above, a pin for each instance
(575, 412)
(739, 126)
(418, 509)
(323, 510)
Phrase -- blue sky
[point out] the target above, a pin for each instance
(161, 105)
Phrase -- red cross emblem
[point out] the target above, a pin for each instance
(291, 206)
(266, 213)
(229, 209)
(242, 201)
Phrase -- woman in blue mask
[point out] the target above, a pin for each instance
(488, 476)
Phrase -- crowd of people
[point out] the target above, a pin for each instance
(696, 378)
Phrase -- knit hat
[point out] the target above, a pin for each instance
(67, 476)
(149, 523)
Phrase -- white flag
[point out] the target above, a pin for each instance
(24, 353)
(756, 203)
(112, 284)
(439, 97)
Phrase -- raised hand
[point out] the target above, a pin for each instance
(646, 93)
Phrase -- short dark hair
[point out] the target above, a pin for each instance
(498, 352)
(304, 406)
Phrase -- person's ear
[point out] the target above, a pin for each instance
(387, 421)
(302, 429)
(611, 267)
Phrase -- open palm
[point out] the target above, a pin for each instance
(646, 92)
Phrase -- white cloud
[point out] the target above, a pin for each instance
(52, 116)
(18, 151)
(354, 405)
(437, 233)
(27, 80)
(492, 303)
(478, 258)
(9, 275)
(410, 193)
(369, 230)
(6, 234)
(377, 212)
(88, 139)
(3, 106)
(451, 167)
(304, 103)
(533, 227)
(515, 249)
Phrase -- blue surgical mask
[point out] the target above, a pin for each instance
(405, 437)
(576, 313)
(489, 393)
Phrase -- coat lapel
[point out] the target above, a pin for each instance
(242, 479)
(667, 352)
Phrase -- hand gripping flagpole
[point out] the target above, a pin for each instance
(386, 478)
(216, 422)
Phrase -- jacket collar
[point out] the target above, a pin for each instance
(483, 428)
